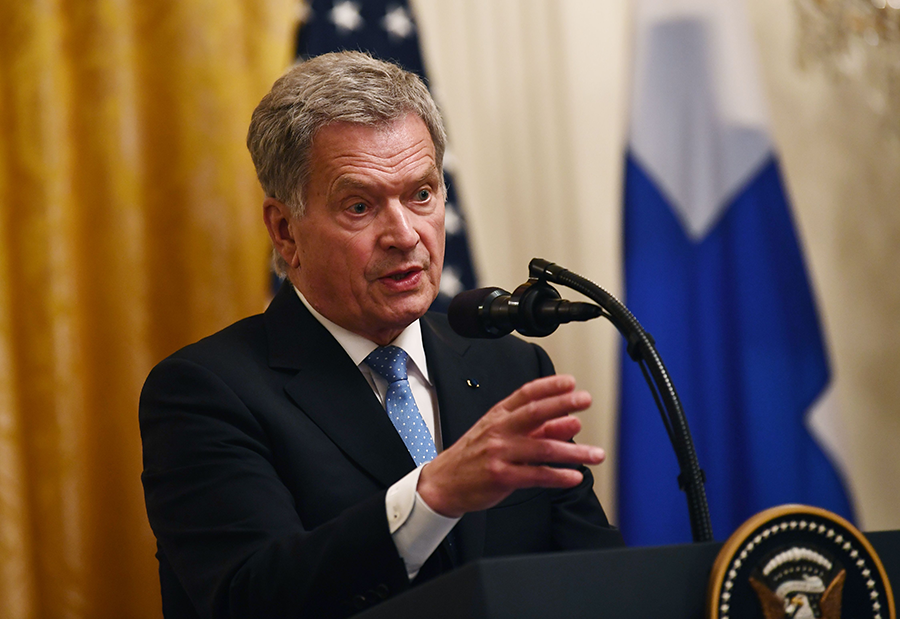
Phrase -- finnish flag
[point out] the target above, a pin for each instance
(714, 270)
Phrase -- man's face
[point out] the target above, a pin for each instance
(371, 241)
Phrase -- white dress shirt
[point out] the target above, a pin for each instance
(416, 529)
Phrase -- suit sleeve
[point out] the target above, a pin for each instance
(226, 525)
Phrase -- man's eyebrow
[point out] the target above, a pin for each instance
(349, 182)
(431, 175)
(355, 182)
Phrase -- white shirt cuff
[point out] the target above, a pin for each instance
(417, 530)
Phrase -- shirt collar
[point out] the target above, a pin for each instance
(358, 347)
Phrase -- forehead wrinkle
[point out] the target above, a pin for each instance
(372, 158)
(358, 178)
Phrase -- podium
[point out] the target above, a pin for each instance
(667, 581)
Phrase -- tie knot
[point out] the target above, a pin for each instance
(389, 362)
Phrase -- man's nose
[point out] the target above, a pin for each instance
(398, 229)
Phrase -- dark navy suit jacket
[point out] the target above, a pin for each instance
(267, 457)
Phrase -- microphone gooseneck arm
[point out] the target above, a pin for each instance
(641, 348)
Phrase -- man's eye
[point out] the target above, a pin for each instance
(423, 195)
(358, 209)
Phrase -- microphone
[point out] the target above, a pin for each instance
(534, 309)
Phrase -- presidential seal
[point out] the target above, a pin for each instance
(798, 562)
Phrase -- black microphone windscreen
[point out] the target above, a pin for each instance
(464, 308)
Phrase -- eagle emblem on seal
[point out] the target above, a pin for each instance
(798, 562)
(799, 583)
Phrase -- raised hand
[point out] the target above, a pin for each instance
(510, 447)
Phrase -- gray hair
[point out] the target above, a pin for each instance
(349, 87)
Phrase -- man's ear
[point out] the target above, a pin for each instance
(278, 219)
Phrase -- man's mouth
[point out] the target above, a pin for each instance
(401, 275)
(403, 280)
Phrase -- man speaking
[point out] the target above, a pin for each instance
(346, 445)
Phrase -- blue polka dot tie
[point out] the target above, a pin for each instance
(389, 362)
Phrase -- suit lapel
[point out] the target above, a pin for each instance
(463, 396)
(463, 399)
(330, 389)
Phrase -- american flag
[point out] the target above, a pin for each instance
(387, 30)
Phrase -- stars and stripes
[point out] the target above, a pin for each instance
(345, 16)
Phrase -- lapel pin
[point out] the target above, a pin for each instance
(472, 383)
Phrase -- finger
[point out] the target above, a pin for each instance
(532, 415)
(561, 429)
(544, 477)
(546, 451)
(538, 389)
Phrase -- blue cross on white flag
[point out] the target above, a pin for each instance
(714, 270)
(387, 30)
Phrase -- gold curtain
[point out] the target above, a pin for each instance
(130, 225)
